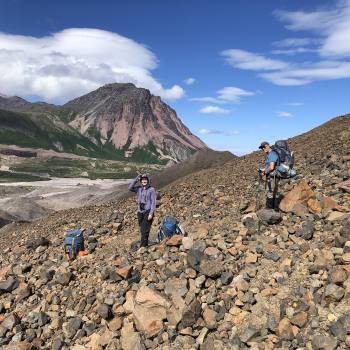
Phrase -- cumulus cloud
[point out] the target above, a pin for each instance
(228, 94)
(284, 114)
(75, 61)
(218, 132)
(189, 81)
(251, 61)
(214, 110)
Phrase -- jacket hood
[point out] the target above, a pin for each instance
(146, 176)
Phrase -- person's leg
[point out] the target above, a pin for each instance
(140, 217)
(145, 229)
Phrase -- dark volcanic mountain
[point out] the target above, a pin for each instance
(116, 121)
(131, 118)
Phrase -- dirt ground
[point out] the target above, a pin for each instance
(57, 194)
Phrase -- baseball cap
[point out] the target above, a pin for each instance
(263, 144)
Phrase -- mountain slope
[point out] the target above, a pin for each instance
(121, 114)
(116, 121)
(233, 283)
(43, 130)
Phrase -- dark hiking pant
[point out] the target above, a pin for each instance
(145, 227)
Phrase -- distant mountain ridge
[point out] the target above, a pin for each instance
(115, 121)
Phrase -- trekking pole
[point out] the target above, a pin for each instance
(259, 180)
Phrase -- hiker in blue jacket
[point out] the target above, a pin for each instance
(271, 160)
(146, 205)
(270, 170)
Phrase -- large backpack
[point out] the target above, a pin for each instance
(285, 157)
(168, 227)
(73, 243)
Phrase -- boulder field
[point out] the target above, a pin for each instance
(243, 276)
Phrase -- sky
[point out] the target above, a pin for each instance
(237, 72)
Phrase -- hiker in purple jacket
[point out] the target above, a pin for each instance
(146, 205)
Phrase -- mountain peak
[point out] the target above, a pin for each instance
(130, 119)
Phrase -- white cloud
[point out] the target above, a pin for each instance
(295, 51)
(251, 61)
(327, 70)
(206, 100)
(228, 94)
(296, 42)
(214, 110)
(189, 81)
(75, 61)
(295, 104)
(218, 132)
(330, 50)
(332, 23)
(284, 114)
(233, 94)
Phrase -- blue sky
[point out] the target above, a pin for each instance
(237, 72)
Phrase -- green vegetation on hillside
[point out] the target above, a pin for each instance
(93, 169)
(50, 131)
(7, 176)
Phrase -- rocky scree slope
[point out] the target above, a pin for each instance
(240, 278)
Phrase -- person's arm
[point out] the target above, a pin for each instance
(270, 168)
(273, 158)
(153, 204)
(132, 186)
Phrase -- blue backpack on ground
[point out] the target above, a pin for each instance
(169, 227)
(73, 243)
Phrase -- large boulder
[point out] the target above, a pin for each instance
(149, 311)
(300, 194)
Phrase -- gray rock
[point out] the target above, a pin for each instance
(38, 318)
(323, 342)
(57, 344)
(176, 286)
(63, 278)
(306, 231)
(333, 292)
(71, 327)
(8, 285)
(191, 314)
(194, 257)
(38, 242)
(272, 256)
(269, 216)
(248, 334)
(341, 328)
(226, 277)
(211, 268)
(10, 321)
(104, 311)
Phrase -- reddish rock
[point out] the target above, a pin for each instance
(174, 241)
(301, 193)
(125, 271)
(212, 251)
(345, 186)
(285, 329)
(149, 312)
(300, 319)
(314, 206)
